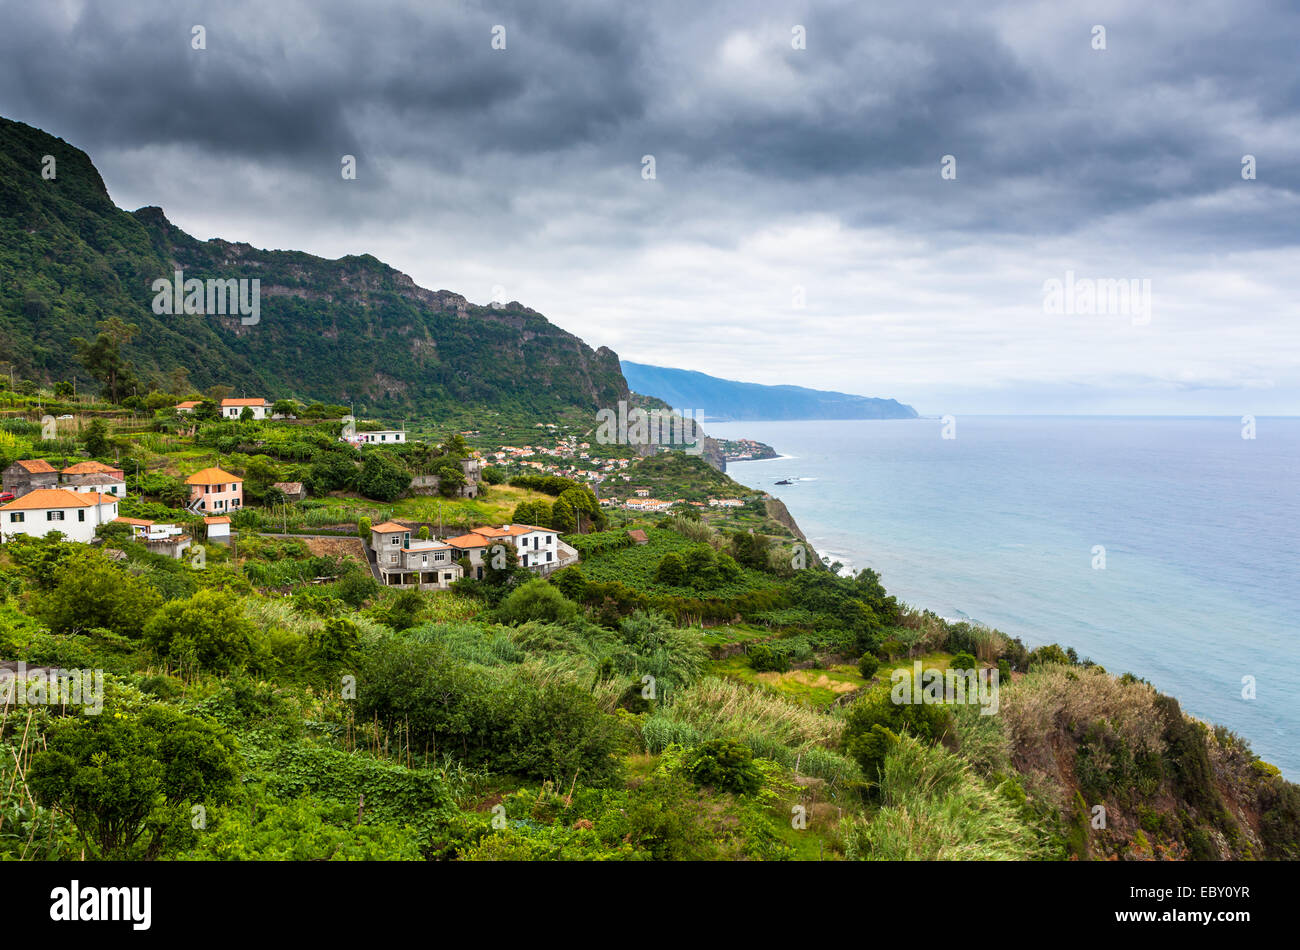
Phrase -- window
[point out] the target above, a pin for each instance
(548, 556)
(15, 517)
(81, 515)
(53, 516)
(392, 559)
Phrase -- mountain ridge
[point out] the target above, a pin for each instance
(727, 400)
(353, 328)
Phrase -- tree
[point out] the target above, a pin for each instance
(89, 592)
(246, 414)
(97, 441)
(207, 631)
(671, 571)
(284, 407)
(103, 358)
(564, 517)
(178, 381)
(381, 477)
(363, 529)
(535, 513)
(454, 445)
(450, 480)
(219, 392)
(124, 779)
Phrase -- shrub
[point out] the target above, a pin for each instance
(536, 600)
(963, 661)
(763, 659)
(725, 764)
(207, 631)
(867, 666)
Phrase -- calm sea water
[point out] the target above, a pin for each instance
(1201, 531)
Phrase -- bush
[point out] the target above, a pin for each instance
(867, 666)
(536, 600)
(763, 659)
(725, 764)
(207, 631)
(963, 661)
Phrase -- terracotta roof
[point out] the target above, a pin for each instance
(289, 488)
(211, 476)
(244, 402)
(388, 527)
(36, 466)
(89, 468)
(507, 531)
(52, 498)
(219, 519)
(468, 541)
(637, 535)
(138, 522)
(187, 404)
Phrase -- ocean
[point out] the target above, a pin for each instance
(1167, 547)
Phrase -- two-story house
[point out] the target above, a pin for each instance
(215, 490)
(29, 474)
(406, 562)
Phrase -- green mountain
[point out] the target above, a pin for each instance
(352, 329)
(726, 400)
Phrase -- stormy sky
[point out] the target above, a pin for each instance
(798, 227)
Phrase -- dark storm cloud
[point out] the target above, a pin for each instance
(775, 165)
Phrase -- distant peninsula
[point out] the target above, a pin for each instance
(726, 400)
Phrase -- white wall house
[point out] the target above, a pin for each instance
(377, 437)
(233, 408)
(100, 482)
(43, 510)
(538, 548)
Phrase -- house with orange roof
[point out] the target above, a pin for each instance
(470, 550)
(90, 468)
(539, 549)
(188, 405)
(42, 510)
(234, 408)
(215, 491)
(217, 528)
(28, 474)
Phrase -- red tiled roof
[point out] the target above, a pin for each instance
(36, 466)
(388, 527)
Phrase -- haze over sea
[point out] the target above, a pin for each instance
(1201, 530)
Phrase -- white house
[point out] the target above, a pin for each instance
(233, 408)
(726, 503)
(377, 437)
(160, 537)
(98, 482)
(218, 528)
(75, 514)
(539, 549)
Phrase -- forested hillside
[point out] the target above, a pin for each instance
(349, 330)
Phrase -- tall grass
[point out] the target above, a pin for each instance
(773, 727)
(934, 808)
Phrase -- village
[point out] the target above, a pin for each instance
(78, 499)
